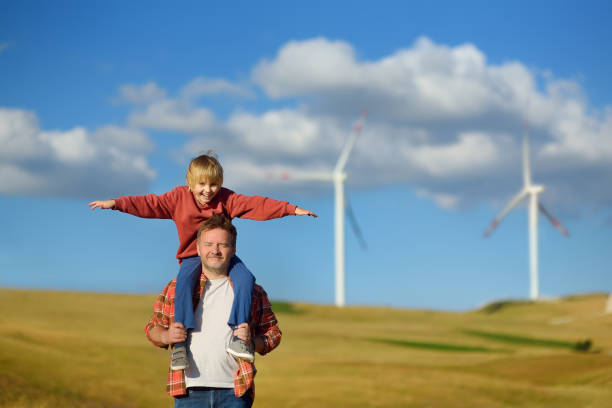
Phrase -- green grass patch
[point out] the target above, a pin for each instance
(286, 308)
(529, 341)
(503, 304)
(457, 348)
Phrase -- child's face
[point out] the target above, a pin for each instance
(205, 191)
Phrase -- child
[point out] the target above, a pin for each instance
(189, 206)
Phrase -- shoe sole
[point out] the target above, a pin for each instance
(246, 357)
(180, 367)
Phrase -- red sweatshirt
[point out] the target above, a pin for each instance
(181, 206)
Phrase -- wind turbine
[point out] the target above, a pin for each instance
(531, 191)
(338, 176)
(609, 304)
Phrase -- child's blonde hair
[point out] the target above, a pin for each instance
(205, 167)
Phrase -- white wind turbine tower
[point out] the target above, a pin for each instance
(337, 176)
(529, 190)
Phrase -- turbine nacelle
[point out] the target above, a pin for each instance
(535, 189)
(339, 177)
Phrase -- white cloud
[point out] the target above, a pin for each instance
(159, 112)
(72, 146)
(296, 142)
(428, 84)
(18, 180)
(126, 139)
(309, 67)
(174, 115)
(178, 114)
(443, 121)
(446, 121)
(19, 135)
(579, 136)
(142, 94)
(448, 201)
(285, 132)
(275, 141)
(428, 81)
(207, 86)
(471, 153)
(71, 163)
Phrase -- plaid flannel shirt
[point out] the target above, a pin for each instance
(263, 323)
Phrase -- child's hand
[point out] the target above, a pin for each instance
(107, 204)
(301, 211)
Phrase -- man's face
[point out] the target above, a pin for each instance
(216, 250)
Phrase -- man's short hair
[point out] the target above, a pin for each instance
(219, 221)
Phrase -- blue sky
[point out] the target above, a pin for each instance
(107, 98)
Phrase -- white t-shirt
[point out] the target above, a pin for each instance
(209, 363)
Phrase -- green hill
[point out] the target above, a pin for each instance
(60, 349)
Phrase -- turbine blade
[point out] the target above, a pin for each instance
(511, 204)
(350, 143)
(553, 220)
(355, 226)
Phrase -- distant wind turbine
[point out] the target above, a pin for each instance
(529, 190)
(337, 176)
(609, 304)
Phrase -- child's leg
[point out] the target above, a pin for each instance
(243, 281)
(186, 281)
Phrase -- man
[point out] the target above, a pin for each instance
(214, 378)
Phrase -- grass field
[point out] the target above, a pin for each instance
(62, 349)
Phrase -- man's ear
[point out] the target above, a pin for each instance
(198, 248)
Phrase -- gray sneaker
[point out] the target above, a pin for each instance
(179, 358)
(241, 349)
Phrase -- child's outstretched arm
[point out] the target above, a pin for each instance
(105, 204)
(301, 211)
(258, 208)
(146, 206)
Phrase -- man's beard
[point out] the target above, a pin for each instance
(221, 268)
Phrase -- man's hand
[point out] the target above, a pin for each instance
(242, 332)
(163, 337)
(105, 205)
(301, 211)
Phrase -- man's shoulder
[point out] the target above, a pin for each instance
(260, 297)
(259, 290)
(168, 290)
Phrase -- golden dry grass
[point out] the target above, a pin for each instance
(62, 349)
